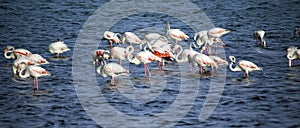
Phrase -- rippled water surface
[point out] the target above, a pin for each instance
(269, 98)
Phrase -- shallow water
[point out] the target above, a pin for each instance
(269, 98)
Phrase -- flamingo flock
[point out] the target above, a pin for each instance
(28, 65)
(153, 48)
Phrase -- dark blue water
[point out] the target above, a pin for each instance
(269, 98)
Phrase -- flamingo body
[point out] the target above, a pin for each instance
(58, 47)
(259, 35)
(112, 70)
(243, 65)
(15, 53)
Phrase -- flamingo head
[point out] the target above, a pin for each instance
(232, 59)
(9, 48)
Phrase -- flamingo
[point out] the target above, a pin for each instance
(218, 60)
(202, 61)
(15, 53)
(144, 57)
(292, 54)
(215, 34)
(24, 60)
(296, 32)
(97, 55)
(131, 38)
(32, 71)
(120, 53)
(152, 36)
(184, 54)
(243, 65)
(198, 37)
(57, 47)
(113, 37)
(112, 69)
(259, 35)
(175, 34)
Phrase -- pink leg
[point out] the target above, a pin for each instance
(145, 65)
(148, 70)
(190, 67)
(110, 43)
(120, 62)
(112, 81)
(36, 85)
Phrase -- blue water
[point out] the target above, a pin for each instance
(269, 98)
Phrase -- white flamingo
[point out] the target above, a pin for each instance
(57, 47)
(113, 37)
(97, 55)
(144, 57)
(215, 34)
(259, 35)
(15, 53)
(243, 65)
(201, 60)
(112, 70)
(175, 34)
(292, 54)
(131, 38)
(184, 54)
(218, 60)
(120, 53)
(32, 71)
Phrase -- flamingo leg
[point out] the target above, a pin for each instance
(145, 70)
(290, 63)
(120, 62)
(190, 67)
(148, 70)
(110, 43)
(112, 81)
(36, 84)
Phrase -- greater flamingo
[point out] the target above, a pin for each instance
(198, 37)
(97, 55)
(23, 60)
(292, 54)
(144, 57)
(120, 53)
(131, 38)
(112, 70)
(175, 34)
(113, 37)
(202, 61)
(15, 53)
(57, 47)
(259, 35)
(215, 34)
(32, 71)
(243, 65)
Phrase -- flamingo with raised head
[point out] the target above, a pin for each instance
(215, 34)
(113, 37)
(97, 55)
(296, 32)
(243, 65)
(176, 34)
(144, 57)
(15, 53)
(259, 35)
(112, 70)
(32, 71)
(292, 54)
(120, 53)
(201, 60)
(57, 47)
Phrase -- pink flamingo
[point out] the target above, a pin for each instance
(144, 57)
(243, 65)
(113, 37)
(131, 38)
(112, 69)
(57, 47)
(32, 71)
(215, 34)
(175, 34)
(15, 53)
(120, 53)
(33, 59)
(292, 54)
(202, 61)
(259, 35)
(97, 55)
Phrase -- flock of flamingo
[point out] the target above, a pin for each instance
(153, 48)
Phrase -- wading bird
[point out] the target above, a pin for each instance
(57, 47)
(292, 54)
(259, 35)
(243, 65)
(15, 53)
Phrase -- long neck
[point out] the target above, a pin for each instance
(131, 59)
(234, 69)
(99, 70)
(292, 55)
(10, 56)
(179, 53)
(24, 73)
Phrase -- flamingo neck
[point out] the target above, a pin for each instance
(10, 56)
(24, 73)
(177, 55)
(234, 69)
